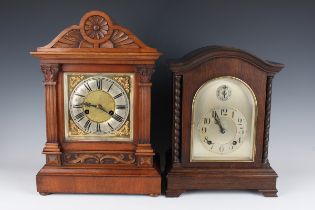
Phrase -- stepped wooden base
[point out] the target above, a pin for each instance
(180, 180)
(99, 180)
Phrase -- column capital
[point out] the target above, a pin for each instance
(50, 72)
(145, 71)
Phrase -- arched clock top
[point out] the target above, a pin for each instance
(205, 54)
(97, 37)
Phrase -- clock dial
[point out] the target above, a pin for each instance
(222, 129)
(223, 121)
(99, 105)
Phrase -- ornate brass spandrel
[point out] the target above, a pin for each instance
(124, 130)
(74, 130)
(73, 81)
(124, 81)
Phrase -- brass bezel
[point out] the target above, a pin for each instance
(94, 137)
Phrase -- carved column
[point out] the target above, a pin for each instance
(177, 118)
(144, 151)
(51, 149)
(267, 121)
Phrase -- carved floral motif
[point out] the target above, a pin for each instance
(96, 27)
(74, 39)
(98, 158)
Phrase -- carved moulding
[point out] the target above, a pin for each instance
(98, 158)
(96, 30)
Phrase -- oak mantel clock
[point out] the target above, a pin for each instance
(98, 91)
(222, 99)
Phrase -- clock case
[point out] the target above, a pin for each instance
(97, 166)
(189, 74)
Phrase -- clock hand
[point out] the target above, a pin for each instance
(89, 104)
(218, 122)
(104, 110)
(98, 106)
(224, 93)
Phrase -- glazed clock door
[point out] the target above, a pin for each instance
(98, 106)
(224, 113)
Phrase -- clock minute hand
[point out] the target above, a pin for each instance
(89, 104)
(218, 122)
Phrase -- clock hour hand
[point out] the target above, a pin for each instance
(218, 122)
(104, 110)
(98, 106)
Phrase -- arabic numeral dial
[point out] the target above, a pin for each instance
(222, 129)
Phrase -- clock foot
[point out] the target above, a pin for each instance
(44, 193)
(153, 195)
(174, 193)
(269, 193)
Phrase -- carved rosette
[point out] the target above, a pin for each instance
(145, 72)
(267, 121)
(96, 27)
(98, 158)
(177, 117)
(50, 72)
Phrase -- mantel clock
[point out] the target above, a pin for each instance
(222, 99)
(98, 91)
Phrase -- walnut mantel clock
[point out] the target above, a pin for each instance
(98, 91)
(222, 99)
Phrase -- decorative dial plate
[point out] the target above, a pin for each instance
(224, 113)
(98, 106)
